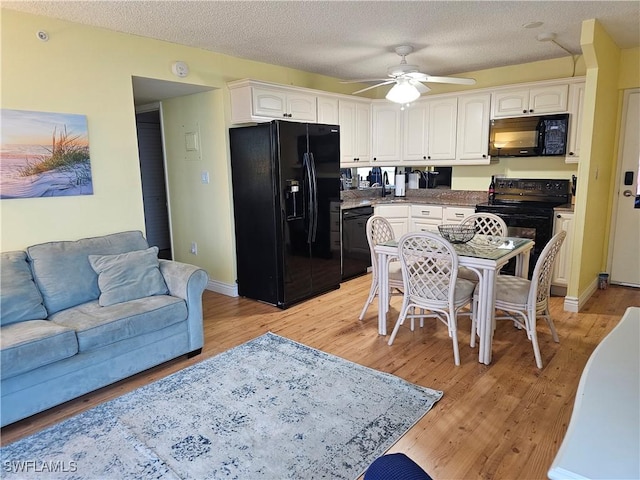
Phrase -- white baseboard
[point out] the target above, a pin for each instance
(573, 304)
(230, 290)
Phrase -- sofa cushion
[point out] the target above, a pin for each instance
(20, 299)
(128, 276)
(28, 345)
(98, 326)
(62, 270)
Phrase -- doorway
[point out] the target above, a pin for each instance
(152, 173)
(148, 94)
(625, 261)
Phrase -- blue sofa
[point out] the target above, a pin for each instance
(78, 315)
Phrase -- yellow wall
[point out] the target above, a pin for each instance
(200, 213)
(601, 114)
(86, 70)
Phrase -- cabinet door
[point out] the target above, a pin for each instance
(386, 131)
(400, 226)
(347, 117)
(398, 216)
(301, 107)
(473, 129)
(562, 266)
(576, 101)
(269, 103)
(362, 140)
(328, 111)
(415, 135)
(510, 103)
(443, 116)
(550, 99)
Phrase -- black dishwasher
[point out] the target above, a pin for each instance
(356, 257)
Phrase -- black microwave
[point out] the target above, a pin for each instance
(534, 136)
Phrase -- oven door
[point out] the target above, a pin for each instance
(536, 226)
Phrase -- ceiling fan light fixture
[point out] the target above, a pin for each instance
(403, 92)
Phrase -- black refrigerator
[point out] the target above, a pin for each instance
(286, 180)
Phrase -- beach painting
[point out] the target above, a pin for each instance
(43, 154)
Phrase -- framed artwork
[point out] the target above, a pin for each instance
(44, 154)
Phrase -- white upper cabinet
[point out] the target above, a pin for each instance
(443, 115)
(576, 102)
(328, 112)
(355, 133)
(275, 103)
(257, 102)
(519, 102)
(473, 129)
(386, 132)
(415, 133)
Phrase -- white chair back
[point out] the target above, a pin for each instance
(429, 268)
(487, 224)
(379, 230)
(542, 272)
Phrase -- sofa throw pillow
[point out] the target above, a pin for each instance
(20, 299)
(128, 276)
(62, 271)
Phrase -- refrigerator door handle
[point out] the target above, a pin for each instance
(306, 164)
(315, 197)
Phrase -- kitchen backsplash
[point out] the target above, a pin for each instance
(436, 195)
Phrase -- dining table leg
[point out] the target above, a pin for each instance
(486, 305)
(383, 292)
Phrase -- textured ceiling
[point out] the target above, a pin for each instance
(355, 39)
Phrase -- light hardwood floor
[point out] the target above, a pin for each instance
(502, 421)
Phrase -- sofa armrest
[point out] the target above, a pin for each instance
(187, 282)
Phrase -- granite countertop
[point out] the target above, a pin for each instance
(435, 196)
(568, 207)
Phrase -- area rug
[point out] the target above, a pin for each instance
(268, 409)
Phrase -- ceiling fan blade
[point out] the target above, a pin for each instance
(454, 80)
(363, 80)
(374, 86)
(419, 86)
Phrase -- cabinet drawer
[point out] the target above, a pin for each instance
(426, 211)
(392, 211)
(419, 225)
(456, 214)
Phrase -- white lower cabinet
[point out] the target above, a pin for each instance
(425, 218)
(398, 216)
(562, 267)
(420, 217)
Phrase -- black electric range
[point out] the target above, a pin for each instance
(527, 207)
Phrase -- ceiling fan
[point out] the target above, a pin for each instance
(408, 79)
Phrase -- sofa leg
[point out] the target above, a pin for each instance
(194, 353)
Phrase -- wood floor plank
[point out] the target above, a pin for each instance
(502, 421)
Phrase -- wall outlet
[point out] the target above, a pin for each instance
(194, 248)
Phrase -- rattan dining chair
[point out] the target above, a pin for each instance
(379, 230)
(430, 272)
(485, 224)
(523, 300)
